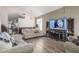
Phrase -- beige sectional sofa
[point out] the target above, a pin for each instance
(32, 33)
(21, 47)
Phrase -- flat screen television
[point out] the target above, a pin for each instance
(58, 24)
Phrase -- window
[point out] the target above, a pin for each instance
(39, 23)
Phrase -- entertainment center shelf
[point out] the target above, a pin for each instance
(58, 34)
(61, 33)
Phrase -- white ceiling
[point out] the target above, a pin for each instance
(39, 10)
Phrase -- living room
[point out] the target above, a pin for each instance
(39, 29)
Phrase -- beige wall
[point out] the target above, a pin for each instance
(65, 11)
(74, 13)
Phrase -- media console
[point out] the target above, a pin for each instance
(58, 34)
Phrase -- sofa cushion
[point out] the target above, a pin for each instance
(71, 38)
(19, 49)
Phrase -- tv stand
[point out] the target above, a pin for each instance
(57, 34)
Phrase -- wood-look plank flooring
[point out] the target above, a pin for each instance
(46, 45)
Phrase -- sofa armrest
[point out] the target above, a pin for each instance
(19, 49)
